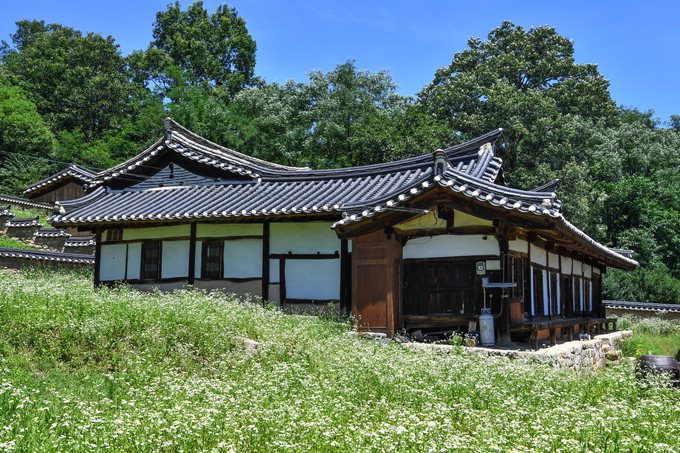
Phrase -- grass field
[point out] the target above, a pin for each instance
(118, 370)
(651, 336)
(13, 243)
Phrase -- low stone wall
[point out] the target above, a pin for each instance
(577, 355)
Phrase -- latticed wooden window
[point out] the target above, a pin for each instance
(115, 234)
(212, 259)
(151, 260)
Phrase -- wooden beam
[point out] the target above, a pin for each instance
(265, 261)
(305, 256)
(98, 256)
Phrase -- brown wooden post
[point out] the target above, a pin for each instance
(345, 277)
(504, 321)
(265, 261)
(282, 281)
(191, 275)
(98, 255)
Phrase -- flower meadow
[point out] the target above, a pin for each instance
(120, 370)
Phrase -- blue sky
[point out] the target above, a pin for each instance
(635, 44)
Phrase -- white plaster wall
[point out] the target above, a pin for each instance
(198, 260)
(228, 229)
(538, 255)
(313, 279)
(596, 270)
(553, 260)
(519, 245)
(175, 259)
(243, 258)
(308, 237)
(306, 279)
(159, 232)
(112, 262)
(449, 245)
(587, 271)
(577, 267)
(566, 265)
(134, 260)
(493, 265)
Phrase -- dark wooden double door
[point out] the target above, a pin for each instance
(441, 288)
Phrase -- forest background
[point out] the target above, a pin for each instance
(69, 96)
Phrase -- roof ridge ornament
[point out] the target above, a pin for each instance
(486, 147)
(441, 162)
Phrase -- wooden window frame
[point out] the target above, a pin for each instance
(142, 271)
(204, 252)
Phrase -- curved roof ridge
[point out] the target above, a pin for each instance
(465, 150)
(172, 127)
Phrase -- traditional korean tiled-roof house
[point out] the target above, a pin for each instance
(403, 245)
(66, 184)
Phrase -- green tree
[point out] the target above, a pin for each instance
(78, 82)
(213, 49)
(22, 129)
(527, 82)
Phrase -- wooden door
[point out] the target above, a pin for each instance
(376, 267)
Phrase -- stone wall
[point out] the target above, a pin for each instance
(577, 355)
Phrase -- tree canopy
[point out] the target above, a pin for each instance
(70, 96)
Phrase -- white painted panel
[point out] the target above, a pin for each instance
(566, 265)
(449, 245)
(307, 237)
(519, 245)
(531, 280)
(582, 293)
(493, 265)
(112, 262)
(273, 271)
(313, 279)
(349, 245)
(553, 260)
(199, 259)
(546, 293)
(577, 267)
(134, 260)
(596, 270)
(159, 232)
(559, 295)
(587, 271)
(228, 229)
(175, 261)
(243, 258)
(538, 255)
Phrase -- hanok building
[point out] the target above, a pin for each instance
(66, 184)
(403, 245)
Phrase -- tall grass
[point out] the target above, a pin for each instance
(119, 370)
(651, 336)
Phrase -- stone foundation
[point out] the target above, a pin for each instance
(577, 355)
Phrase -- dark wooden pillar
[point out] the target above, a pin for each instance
(282, 282)
(265, 261)
(98, 255)
(191, 275)
(345, 277)
(504, 320)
